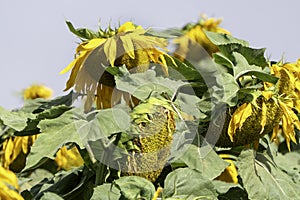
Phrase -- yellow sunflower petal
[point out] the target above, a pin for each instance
(245, 114)
(235, 120)
(8, 147)
(128, 45)
(275, 132)
(91, 44)
(126, 27)
(263, 117)
(110, 50)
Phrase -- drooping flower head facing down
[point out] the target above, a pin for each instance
(128, 45)
(194, 44)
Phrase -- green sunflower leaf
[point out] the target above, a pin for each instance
(106, 192)
(205, 160)
(222, 60)
(224, 39)
(105, 123)
(262, 179)
(188, 184)
(55, 133)
(290, 164)
(253, 56)
(32, 124)
(135, 187)
(16, 120)
(142, 85)
(242, 67)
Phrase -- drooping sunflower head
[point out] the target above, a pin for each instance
(288, 84)
(128, 45)
(194, 40)
(154, 121)
(37, 91)
(288, 88)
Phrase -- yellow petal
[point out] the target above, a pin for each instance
(275, 132)
(126, 27)
(245, 114)
(25, 144)
(8, 151)
(263, 117)
(235, 120)
(91, 44)
(110, 50)
(164, 64)
(267, 94)
(74, 62)
(128, 45)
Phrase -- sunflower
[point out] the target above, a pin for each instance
(273, 108)
(37, 91)
(194, 40)
(289, 90)
(128, 45)
(9, 187)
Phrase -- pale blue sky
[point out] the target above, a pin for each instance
(36, 43)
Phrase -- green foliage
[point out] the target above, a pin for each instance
(108, 139)
(185, 183)
(262, 179)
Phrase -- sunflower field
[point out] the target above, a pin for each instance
(177, 114)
